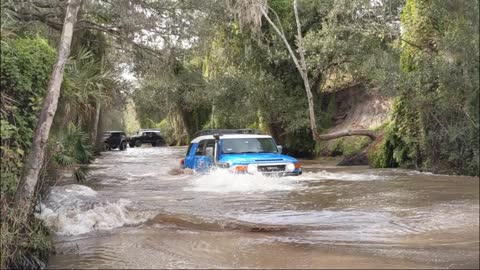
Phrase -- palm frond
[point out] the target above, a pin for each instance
(74, 152)
(86, 81)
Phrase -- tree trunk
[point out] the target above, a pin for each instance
(212, 117)
(301, 52)
(98, 107)
(344, 133)
(300, 64)
(311, 109)
(26, 188)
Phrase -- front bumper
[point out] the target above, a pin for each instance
(113, 144)
(296, 172)
(276, 174)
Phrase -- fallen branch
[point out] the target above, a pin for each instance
(344, 133)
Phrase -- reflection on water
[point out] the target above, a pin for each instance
(135, 214)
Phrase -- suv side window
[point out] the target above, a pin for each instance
(208, 151)
(200, 147)
(203, 146)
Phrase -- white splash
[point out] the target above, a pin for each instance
(222, 181)
(342, 176)
(76, 209)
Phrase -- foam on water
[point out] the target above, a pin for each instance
(76, 209)
(222, 181)
(342, 176)
(317, 218)
(141, 175)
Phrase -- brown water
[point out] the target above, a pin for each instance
(134, 214)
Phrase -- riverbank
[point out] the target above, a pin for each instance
(24, 245)
(29, 244)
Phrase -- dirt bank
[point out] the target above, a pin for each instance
(355, 107)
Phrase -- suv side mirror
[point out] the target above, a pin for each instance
(280, 148)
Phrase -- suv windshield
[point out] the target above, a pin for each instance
(113, 134)
(248, 145)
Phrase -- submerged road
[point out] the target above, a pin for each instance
(134, 214)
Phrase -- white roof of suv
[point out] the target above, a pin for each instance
(229, 136)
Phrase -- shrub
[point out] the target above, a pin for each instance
(26, 64)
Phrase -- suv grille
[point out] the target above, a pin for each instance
(268, 160)
(271, 168)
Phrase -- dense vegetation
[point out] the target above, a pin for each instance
(435, 117)
(240, 75)
(226, 64)
(27, 59)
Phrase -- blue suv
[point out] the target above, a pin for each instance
(240, 151)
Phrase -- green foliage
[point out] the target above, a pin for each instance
(167, 130)
(435, 118)
(72, 151)
(246, 82)
(130, 118)
(23, 246)
(348, 146)
(172, 96)
(86, 80)
(377, 157)
(26, 64)
(9, 20)
(431, 68)
(381, 153)
(353, 43)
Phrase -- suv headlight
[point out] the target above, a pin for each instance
(290, 167)
(252, 168)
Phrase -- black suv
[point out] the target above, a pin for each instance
(147, 136)
(115, 139)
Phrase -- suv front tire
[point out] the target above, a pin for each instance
(157, 143)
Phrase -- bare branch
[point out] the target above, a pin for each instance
(284, 39)
(300, 39)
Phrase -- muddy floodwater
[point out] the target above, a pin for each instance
(134, 214)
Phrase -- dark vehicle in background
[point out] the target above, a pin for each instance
(115, 139)
(150, 136)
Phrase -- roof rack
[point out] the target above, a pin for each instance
(143, 129)
(227, 131)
